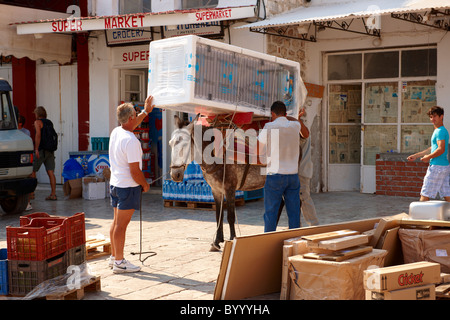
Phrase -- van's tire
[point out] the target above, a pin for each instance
(14, 205)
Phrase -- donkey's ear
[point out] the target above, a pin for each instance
(191, 125)
(178, 122)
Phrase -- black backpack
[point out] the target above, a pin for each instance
(49, 137)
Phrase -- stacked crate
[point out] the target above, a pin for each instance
(42, 248)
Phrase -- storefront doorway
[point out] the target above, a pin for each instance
(133, 89)
(377, 103)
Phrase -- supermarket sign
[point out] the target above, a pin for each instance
(134, 21)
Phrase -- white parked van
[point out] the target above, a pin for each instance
(16, 157)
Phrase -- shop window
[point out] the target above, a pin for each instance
(344, 66)
(132, 86)
(394, 109)
(134, 6)
(415, 138)
(197, 4)
(417, 63)
(381, 65)
(345, 144)
(378, 139)
(381, 102)
(417, 98)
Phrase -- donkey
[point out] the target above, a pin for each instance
(224, 179)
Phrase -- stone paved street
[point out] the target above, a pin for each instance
(183, 267)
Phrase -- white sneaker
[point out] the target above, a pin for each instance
(125, 266)
(29, 207)
(111, 261)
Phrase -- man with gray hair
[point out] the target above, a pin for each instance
(127, 179)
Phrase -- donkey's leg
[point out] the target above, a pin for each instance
(215, 246)
(231, 207)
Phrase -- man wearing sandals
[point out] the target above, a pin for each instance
(127, 180)
(43, 156)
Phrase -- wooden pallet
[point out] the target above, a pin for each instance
(92, 248)
(197, 204)
(77, 294)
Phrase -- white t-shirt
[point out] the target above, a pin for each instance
(124, 148)
(281, 138)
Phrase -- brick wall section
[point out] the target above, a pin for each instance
(399, 177)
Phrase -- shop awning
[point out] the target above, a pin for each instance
(137, 20)
(50, 48)
(329, 10)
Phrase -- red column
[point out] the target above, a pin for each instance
(83, 83)
(24, 89)
(83, 91)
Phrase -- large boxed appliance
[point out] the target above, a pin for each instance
(197, 75)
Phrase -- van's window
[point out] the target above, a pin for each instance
(7, 120)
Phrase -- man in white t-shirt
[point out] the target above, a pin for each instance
(127, 179)
(281, 139)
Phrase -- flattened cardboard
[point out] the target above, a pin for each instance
(254, 266)
(391, 243)
(341, 243)
(329, 235)
(384, 224)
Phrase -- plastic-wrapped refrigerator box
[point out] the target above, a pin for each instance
(197, 75)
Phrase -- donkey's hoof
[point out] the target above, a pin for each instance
(214, 247)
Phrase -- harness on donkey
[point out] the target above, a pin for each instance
(243, 150)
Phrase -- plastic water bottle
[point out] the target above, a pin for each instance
(203, 193)
(197, 191)
(165, 184)
(188, 191)
(171, 190)
(188, 173)
(209, 195)
(197, 171)
(182, 191)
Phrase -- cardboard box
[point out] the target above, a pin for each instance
(94, 188)
(427, 292)
(72, 189)
(252, 265)
(402, 276)
(330, 280)
(426, 245)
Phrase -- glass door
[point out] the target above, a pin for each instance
(344, 135)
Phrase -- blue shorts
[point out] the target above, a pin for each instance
(126, 198)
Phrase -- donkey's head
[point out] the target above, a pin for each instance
(180, 143)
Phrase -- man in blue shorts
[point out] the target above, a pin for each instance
(127, 179)
(437, 179)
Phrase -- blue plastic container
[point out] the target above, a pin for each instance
(3, 272)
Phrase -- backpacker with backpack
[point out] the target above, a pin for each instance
(49, 137)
